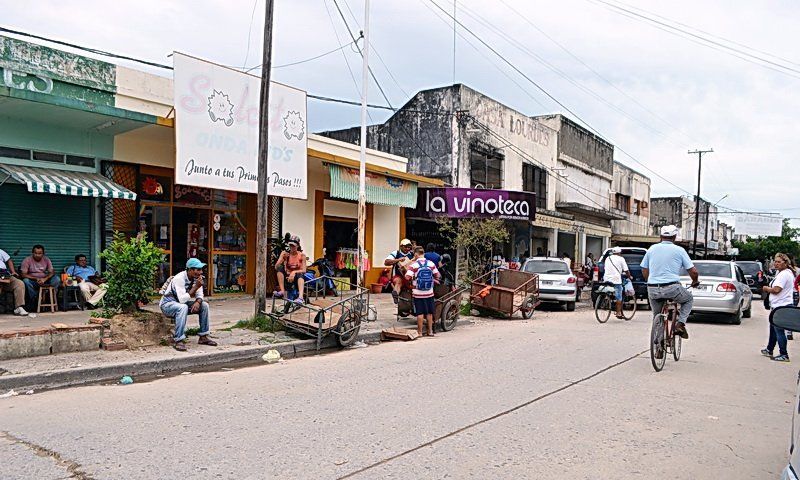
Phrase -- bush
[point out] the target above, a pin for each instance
(131, 269)
(477, 239)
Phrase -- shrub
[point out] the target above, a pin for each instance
(131, 269)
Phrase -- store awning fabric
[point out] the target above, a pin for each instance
(78, 184)
(381, 190)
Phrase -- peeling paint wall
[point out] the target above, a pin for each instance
(628, 181)
(680, 211)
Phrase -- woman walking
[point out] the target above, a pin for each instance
(780, 292)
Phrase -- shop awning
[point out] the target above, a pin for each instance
(79, 184)
(380, 189)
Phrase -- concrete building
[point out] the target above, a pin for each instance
(469, 140)
(630, 195)
(681, 211)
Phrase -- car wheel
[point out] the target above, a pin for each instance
(736, 318)
(570, 306)
(749, 312)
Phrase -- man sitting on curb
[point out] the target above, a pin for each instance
(182, 295)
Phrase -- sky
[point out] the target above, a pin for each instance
(653, 94)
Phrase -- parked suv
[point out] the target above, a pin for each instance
(754, 273)
(633, 257)
(557, 283)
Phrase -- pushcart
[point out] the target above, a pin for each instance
(447, 298)
(506, 292)
(324, 312)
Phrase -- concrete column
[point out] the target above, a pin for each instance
(581, 248)
(605, 244)
(552, 243)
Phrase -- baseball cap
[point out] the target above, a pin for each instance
(405, 242)
(194, 263)
(669, 231)
(294, 239)
(616, 250)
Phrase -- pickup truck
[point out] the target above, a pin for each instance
(633, 257)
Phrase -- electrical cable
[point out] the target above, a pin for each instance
(249, 33)
(307, 59)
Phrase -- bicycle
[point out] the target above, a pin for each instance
(606, 303)
(662, 336)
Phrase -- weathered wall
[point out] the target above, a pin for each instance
(580, 144)
(680, 211)
(628, 181)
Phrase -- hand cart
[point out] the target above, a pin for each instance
(506, 292)
(447, 298)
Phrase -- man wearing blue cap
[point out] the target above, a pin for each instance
(183, 295)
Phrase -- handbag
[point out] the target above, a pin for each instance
(628, 286)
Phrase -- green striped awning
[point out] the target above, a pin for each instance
(380, 189)
(78, 184)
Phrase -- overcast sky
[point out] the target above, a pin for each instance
(656, 96)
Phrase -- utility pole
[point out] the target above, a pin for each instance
(697, 197)
(362, 167)
(262, 202)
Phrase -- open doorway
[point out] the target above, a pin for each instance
(190, 237)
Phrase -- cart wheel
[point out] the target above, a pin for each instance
(349, 322)
(449, 315)
(289, 307)
(527, 310)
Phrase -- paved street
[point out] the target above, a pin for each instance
(560, 396)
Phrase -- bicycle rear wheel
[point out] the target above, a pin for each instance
(629, 308)
(658, 352)
(602, 308)
(676, 347)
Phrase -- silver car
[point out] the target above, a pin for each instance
(723, 289)
(556, 281)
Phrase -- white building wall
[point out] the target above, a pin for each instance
(386, 233)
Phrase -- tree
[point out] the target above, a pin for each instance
(766, 247)
(131, 269)
(476, 237)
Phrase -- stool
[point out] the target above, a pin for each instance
(51, 302)
(76, 299)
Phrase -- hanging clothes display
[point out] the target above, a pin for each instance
(347, 259)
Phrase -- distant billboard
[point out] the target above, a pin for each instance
(759, 224)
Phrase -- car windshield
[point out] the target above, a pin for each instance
(546, 266)
(711, 270)
(749, 268)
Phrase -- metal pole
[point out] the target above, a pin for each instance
(362, 167)
(697, 197)
(705, 255)
(262, 201)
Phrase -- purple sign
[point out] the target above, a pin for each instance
(474, 203)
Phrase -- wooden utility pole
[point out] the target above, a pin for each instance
(697, 197)
(263, 223)
(362, 167)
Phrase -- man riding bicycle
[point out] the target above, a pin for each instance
(662, 266)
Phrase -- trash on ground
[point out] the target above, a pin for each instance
(29, 392)
(186, 373)
(226, 369)
(271, 356)
(10, 393)
(340, 462)
(712, 417)
(126, 380)
(395, 333)
(358, 344)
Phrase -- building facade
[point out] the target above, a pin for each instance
(630, 195)
(683, 212)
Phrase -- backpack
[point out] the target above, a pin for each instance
(424, 276)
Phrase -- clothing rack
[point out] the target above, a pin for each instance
(347, 259)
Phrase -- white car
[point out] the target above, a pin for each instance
(556, 281)
(723, 289)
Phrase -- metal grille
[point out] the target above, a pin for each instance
(274, 228)
(117, 214)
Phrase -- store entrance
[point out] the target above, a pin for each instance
(190, 237)
(340, 239)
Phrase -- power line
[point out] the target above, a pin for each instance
(307, 59)
(339, 42)
(249, 32)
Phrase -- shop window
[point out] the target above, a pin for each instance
(229, 273)
(48, 157)
(227, 200)
(79, 161)
(622, 202)
(10, 152)
(188, 195)
(154, 188)
(156, 221)
(163, 272)
(230, 231)
(534, 179)
(486, 168)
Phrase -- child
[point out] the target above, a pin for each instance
(423, 273)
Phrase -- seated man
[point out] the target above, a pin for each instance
(37, 271)
(184, 295)
(290, 267)
(88, 280)
(10, 283)
(395, 260)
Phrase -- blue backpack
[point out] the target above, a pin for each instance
(424, 276)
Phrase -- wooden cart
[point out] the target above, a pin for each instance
(447, 298)
(506, 292)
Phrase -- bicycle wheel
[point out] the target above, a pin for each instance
(658, 352)
(676, 347)
(602, 308)
(629, 308)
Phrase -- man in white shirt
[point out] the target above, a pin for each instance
(10, 283)
(616, 270)
(184, 295)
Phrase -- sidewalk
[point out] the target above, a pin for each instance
(236, 345)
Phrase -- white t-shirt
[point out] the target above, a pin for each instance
(785, 280)
(3, 259)
(614, 266)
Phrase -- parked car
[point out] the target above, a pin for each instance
(633, 257)
(556, 281)
(755, 275)
(723, 289)
(788, 318)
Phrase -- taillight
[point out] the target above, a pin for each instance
(596, 274)
(571, 280)
(760, 275)
(726, 287)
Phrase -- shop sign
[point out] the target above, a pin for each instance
(474, 203)
(759, 225)
(217, 130)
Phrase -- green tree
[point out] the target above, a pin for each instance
(131, 269)
(766, 247)
(476, 237)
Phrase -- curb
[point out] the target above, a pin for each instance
(74, 377)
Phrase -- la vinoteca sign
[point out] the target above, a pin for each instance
(474, 203)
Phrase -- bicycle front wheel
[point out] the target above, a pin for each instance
(629, 308)
(602, 308)
(658, 352)
(676, 347)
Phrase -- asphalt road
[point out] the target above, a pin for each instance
(559, 396)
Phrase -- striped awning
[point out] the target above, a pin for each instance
(380, 189)
(79, 184)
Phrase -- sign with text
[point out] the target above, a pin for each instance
(216, 130)
(759, 225)
(474, 203)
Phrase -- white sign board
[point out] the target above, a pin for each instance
(216, 130)
(759, 225)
